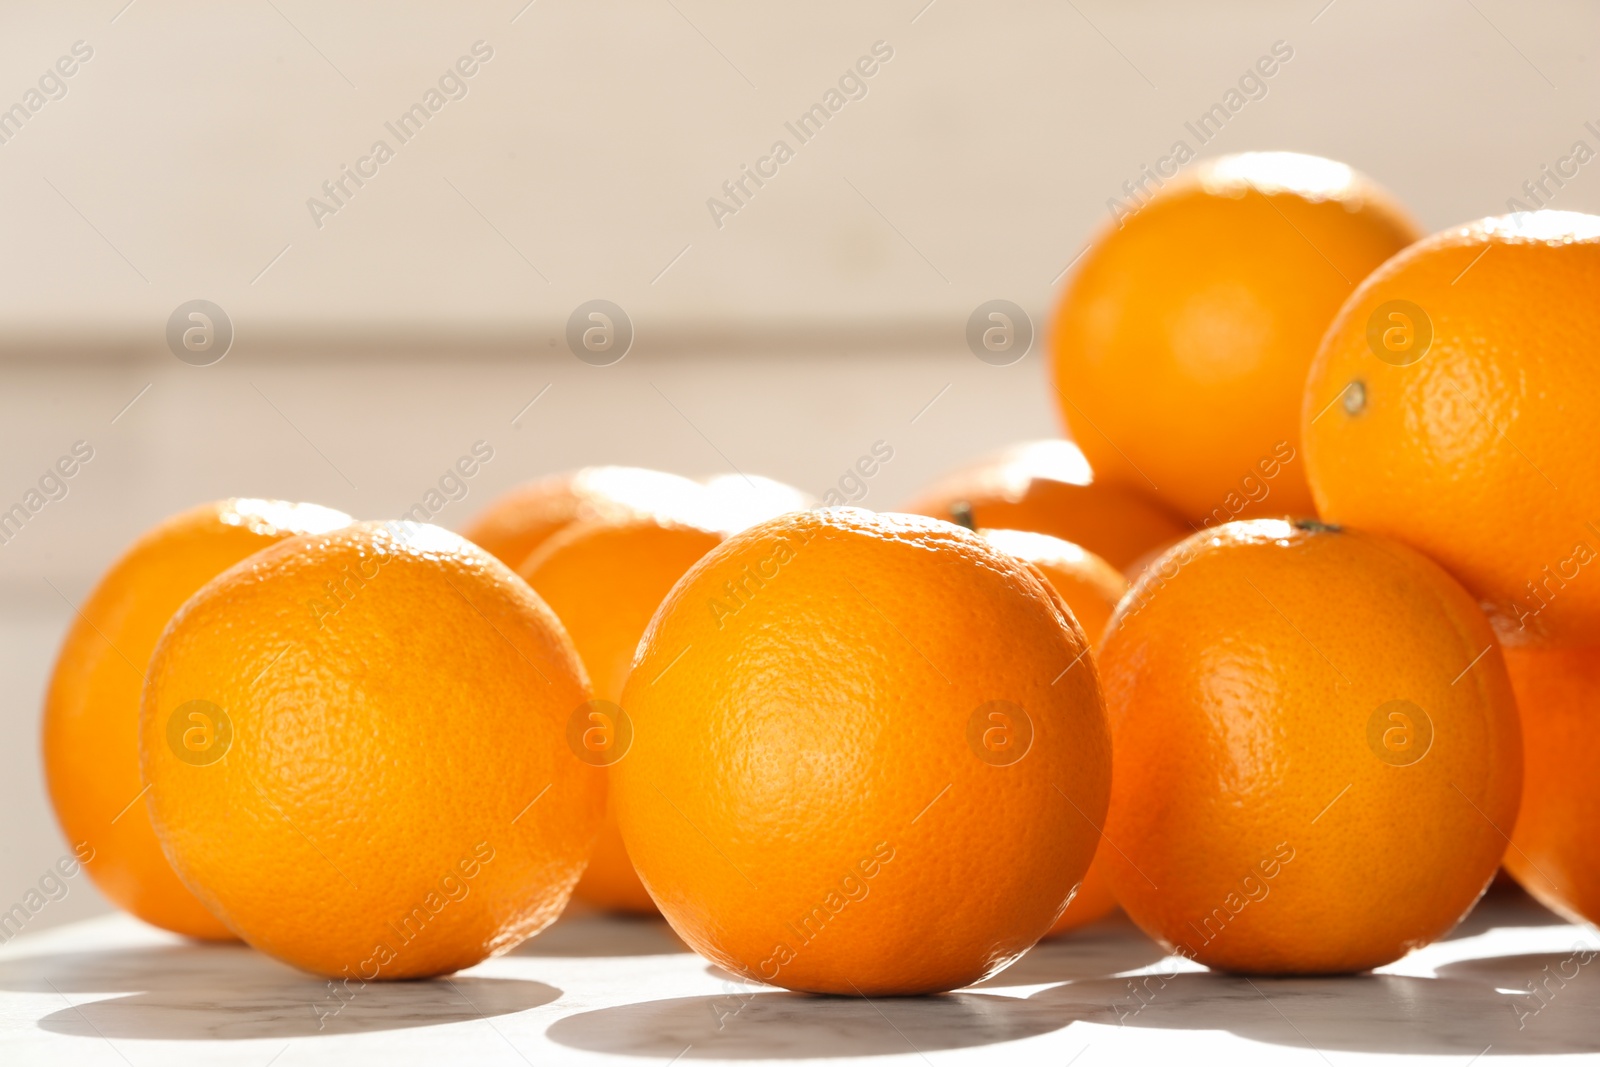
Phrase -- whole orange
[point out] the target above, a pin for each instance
(1047, 487)
(1453, 406)
(604, 580)
(869, 755)
(517, 521)
(1091, 588)
(1182, 341)
(91, 710)
(1553, 851)
(356, 744)
(1317, 749)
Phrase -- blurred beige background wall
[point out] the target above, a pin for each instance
(580, 160)
(580, 151)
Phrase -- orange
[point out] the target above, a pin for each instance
(1094, 900)
(1317, 749)
(860, 764)
(356, 744)
(1553, 850)
(1091, 588)
(1047, 487)
(91, 711)
(1182, 341)
(1453, 406)
(1142, 564)
(515, 523)
(604, 580)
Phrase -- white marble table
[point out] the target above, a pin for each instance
(597, 990)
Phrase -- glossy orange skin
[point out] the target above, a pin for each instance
(399, 799)
(518, 521)
(1047, 487)
(1182, 340)
(1482, 452)
(1261, 824)
(1553, 851)
(604, 580)
(1091, 588)
(802, 799)
(91, 710)
(1136, 569)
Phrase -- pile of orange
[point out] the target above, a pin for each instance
(1287, 650)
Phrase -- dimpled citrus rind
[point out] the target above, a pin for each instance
(808, 799)
(1552, 852)
(1270, 813)
(90, 728)
(1047, 487)
(604, 579)
(1452, 406)
(1182, 340)
(396, 798)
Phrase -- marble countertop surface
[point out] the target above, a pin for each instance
(1512, 983)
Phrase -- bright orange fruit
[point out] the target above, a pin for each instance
(1553, 851)
(843, 723)
(91, 711)
(516, 522)
(604, 580)
(1182, 341)
(1090, 585)
(1047, 487)
(1091, 588)
(1317, 749)
(357, 750)
(1453, 405)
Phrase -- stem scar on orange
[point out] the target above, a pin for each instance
(1454, 406)
(1047, 487)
